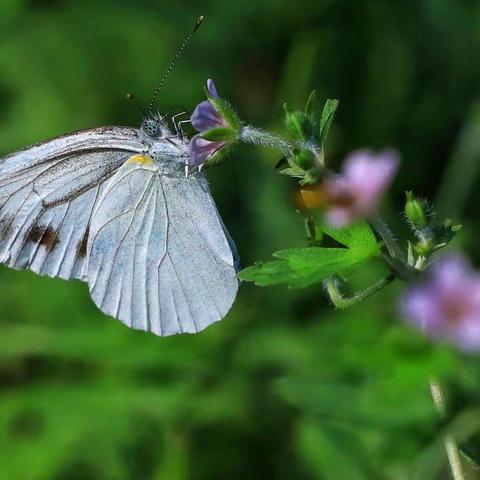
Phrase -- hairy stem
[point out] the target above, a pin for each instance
(332, 285)
(451, 447)
(262, 138)
(386, 235)
(395, 258)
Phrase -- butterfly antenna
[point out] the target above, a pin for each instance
(173, 62)
(131, 97)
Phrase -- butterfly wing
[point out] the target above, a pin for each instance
(159, 257)
(47, 196)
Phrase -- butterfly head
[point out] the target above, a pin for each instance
(154, 127)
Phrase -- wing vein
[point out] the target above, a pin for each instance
(135, 209)
(199, 273)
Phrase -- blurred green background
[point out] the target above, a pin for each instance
(284, 387)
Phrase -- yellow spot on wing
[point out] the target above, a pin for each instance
(141, 160)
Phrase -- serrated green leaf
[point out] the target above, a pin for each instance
(301, 267)
(328, 112)
(356, 236)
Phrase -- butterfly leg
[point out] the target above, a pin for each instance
(180, 128)
(178, 131)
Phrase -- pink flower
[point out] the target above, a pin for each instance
(446, 304)
(356, 192)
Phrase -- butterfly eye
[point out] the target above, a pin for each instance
(151, 128)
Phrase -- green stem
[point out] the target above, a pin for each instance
(386, 235)
(451, 447)
(395, 258)
(262, 138)
(332, 286)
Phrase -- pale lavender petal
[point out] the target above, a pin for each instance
(450, 273)
(420, 307)
(446, 304)
(474, 292)
(355, 193)
(205, 117)
(201, 149)
(211, 88)
(468, 337)
(369, 175)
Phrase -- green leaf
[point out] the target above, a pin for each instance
(293, 171)
(301, 267)
(357, 236)
(312, 107)
(297, 123)
(310, 177)
(328, 112)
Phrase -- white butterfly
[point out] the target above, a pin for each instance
(112, 207)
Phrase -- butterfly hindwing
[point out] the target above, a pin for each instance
(47, 196)
(159, 258)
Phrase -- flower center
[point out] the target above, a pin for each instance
(455, 308)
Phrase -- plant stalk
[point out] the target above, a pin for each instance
(395, 258)
(332, 285)
(451, 447)
(262, 138)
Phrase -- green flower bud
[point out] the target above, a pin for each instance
(305, 159)
(415, 211)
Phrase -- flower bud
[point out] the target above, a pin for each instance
(305, 159)
(415, 211)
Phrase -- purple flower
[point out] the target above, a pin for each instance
(206, 117)
(356, 192)
(211, 88)
(201, 149)
(446, 305)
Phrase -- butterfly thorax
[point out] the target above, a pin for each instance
(167, 151)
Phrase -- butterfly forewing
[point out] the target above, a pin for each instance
(159, 258)
(48, 193)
